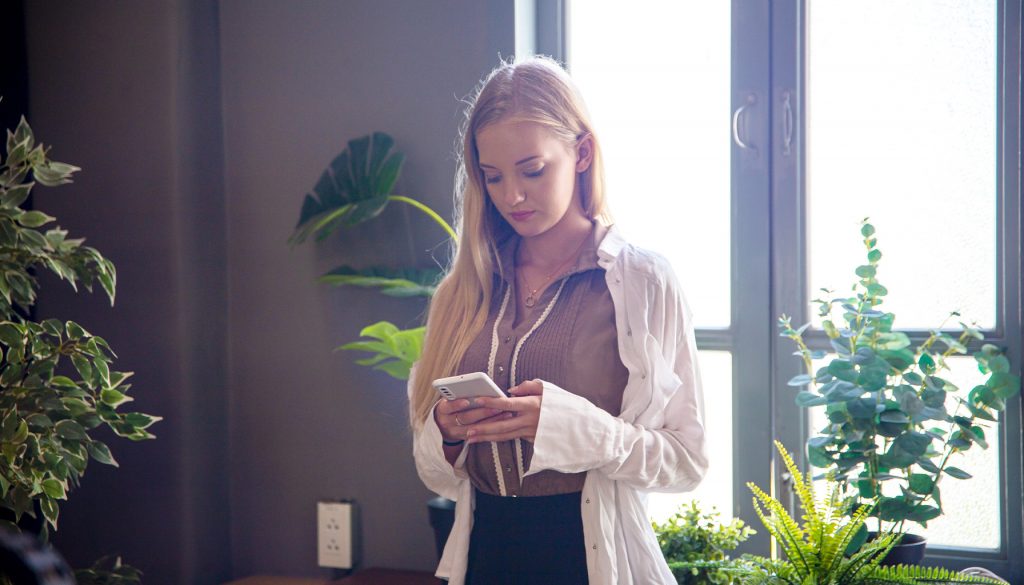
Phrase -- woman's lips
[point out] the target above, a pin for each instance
(521, 215)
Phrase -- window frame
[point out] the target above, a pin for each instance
(768, 238)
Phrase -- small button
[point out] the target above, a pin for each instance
(588, 500)
(501, 369)
(643, 376)
(617, 281)
(508, 339)
(629, 333)
(595, 547)
(508, 468)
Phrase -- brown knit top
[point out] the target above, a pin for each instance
(575, 346)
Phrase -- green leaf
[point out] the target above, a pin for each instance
(113, 397)
(70, 429)
(874, 256)
(74, 330)
(100, 452)
(957, 472)
(926, 363)
(84, 369)
(894, 416)
(16, 195)
(10, 334)
(921, 483)
(394, 282)
(54, 489)
(923, 513)
(388, 176)
(1003, 385)
(140, 420)
(867, 230)
(866, 271)
(800, 380)
(50, 511)
(34, 219)
(809, 399)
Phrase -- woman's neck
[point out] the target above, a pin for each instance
(549, 249)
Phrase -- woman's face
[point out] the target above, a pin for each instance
(530, 174)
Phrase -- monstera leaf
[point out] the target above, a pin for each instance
(355, 187)
(395, 282)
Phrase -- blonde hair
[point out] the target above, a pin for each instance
(534, 89)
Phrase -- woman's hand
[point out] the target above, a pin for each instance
(522, 414)
(454, 417)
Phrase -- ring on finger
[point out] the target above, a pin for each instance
(457, 421)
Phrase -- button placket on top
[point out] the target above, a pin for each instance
(510, 336)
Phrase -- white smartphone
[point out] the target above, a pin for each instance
(467, 386)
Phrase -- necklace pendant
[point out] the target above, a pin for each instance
(530, 301)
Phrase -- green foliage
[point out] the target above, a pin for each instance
(691, 535)
(393, 350)
(108, 571)
(56, 382)
(825, 548)
(354, 188)
(401, 282)
(888, 406)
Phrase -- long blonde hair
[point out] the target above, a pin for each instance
(534, 89)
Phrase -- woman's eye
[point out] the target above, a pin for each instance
(534, 174)
(492, 180)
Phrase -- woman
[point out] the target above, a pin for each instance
(590, 336)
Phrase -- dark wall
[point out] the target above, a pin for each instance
(199, 126)
(129, 91)
(300, 79)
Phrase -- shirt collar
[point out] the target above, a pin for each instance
(590, 253)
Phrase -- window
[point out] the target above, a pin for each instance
(906, 112)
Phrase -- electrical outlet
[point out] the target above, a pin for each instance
(335, 534)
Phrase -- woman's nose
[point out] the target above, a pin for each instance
(514, 193)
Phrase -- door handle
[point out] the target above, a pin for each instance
(739, 124)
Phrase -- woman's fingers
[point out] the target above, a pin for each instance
(528, 388)
(502, 428)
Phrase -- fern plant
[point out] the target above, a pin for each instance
(823, 549)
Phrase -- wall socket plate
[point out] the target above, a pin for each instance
(335, 534)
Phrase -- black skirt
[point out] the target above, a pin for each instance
(527, 540)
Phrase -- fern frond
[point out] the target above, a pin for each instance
(832, 555)
(782, 526)
(866, 560)
(915, 575)
(804, 490)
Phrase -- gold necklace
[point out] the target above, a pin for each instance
(531, 299)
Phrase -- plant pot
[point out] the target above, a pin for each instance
(442, 517)
(908, 551)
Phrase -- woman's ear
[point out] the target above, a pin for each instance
(584, 152)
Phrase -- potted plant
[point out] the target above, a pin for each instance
(895, 425)
(56, 381)
(354, 188)
(822, 549)
(693, 535)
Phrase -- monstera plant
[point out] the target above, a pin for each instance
(355, 188)
(56, 382)
(894, 417)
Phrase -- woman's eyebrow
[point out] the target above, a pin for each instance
(518, 162)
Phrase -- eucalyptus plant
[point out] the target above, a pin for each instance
(893, 419)
(355, 188)
(56, 383)
(823, 549)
